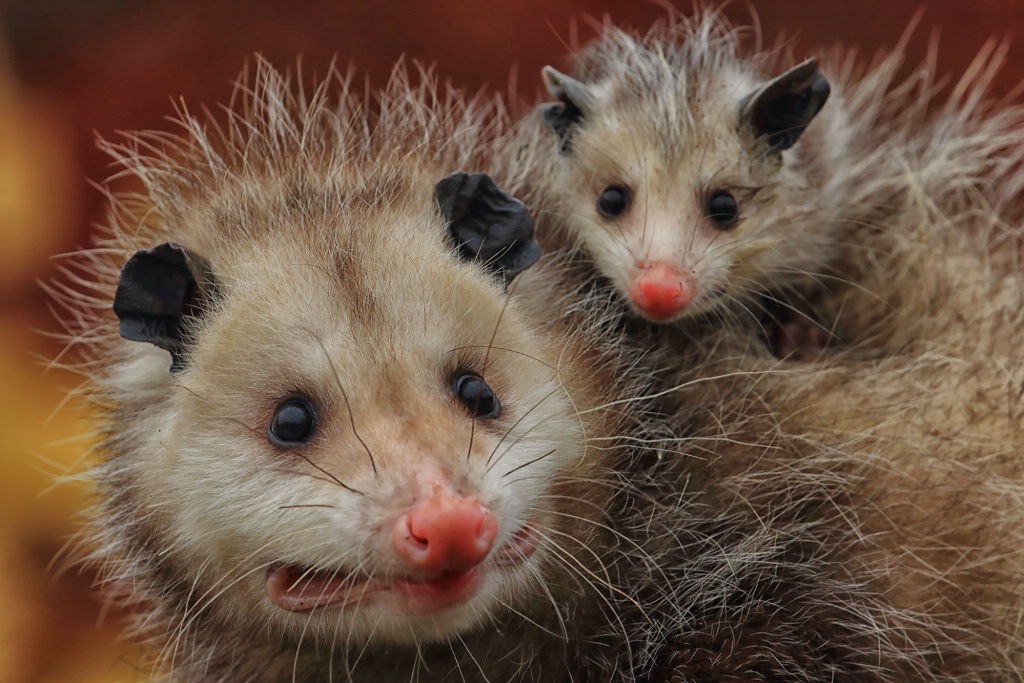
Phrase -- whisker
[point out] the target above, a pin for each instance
(530, 462)
(344, 395)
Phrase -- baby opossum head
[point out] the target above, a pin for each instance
(675, 168)
(358, 435)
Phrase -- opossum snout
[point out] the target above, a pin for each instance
(661, 291)
(447, 532)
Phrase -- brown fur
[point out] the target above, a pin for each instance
(774, 534)
(882, 480)
(337, 283)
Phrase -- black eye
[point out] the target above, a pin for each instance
(293, 424)
(613, 201)
(723, 210)
(477, 396)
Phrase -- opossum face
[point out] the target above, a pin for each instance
(365, 438)
(683, 197)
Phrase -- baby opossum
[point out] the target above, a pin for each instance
(913, 430)
(334, 450)
(698, 177)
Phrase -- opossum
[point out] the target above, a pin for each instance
(341, 442)
(916, 418)
(334, 449)
(922, 412)
(701, 177)
(312, 366)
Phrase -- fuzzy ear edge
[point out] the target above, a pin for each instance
(780, 110)
(487, 224)
(158, 290)
(575, 103)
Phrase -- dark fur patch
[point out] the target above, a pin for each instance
(781, 110)
(574, 101)
(487, 224)
(158, 291)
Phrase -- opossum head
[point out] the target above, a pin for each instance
(676, 171)
(358, 436)
(364, 432)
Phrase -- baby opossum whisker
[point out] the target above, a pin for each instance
(688, 384)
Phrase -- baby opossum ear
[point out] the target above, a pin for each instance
(157, 290)
(487, 224)
(781, 109)
(575, 102)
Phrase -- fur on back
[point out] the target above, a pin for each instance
(888, 466)
(767, 531)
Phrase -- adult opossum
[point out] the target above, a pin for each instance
(332, 448)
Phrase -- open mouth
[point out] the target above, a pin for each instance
(301, 589)
(297, 588)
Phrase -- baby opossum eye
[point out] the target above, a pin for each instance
(722, 209)
(614, 201)
(293, 423)
(477, 396)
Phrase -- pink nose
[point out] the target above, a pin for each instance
(445, 533)
(660, 292)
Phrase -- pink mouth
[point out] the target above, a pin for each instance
(301, 589)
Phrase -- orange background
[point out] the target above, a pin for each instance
(72, 68)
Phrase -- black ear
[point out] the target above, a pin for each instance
(780, 110)
(487, 224)
(575, 101)
(157, 290)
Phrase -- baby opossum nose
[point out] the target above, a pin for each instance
(447, 532)
(661, 291)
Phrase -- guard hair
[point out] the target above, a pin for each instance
(701, 509)
(707, 215)
(882, 534)
(256, 487)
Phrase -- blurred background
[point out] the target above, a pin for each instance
(74, 69)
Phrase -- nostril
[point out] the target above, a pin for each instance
(421, 541)
(445, 533)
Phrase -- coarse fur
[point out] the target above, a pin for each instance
(336, 283)
(317, 219)
(903, 213)
(665, 120)
(747, 551)
(922, 414)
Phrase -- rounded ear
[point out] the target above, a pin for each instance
(157, 290)
(575, 102)
(487, 224)
(781, 110)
